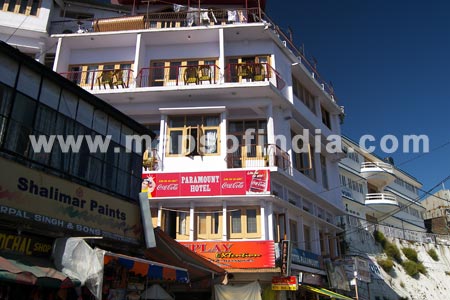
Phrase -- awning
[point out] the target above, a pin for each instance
(170, 251)
(33, 271)
(322, 291)
(151, 269)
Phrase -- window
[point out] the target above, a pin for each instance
(209, 224)
(170, 73)
(252, 148)
(294, 233)
(244, 223)
(25, 7)
(20, 125)
(307, 237)
(303, 157)
(182, 225)
(303, 94)
(88, 74)
(193, 135)
(325, 117)
(323, 166)
(242, 69)
(279, 227)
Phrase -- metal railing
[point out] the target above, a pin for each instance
(101, 79)
(378, 166)
(177, 75)
(380, 198)
(193, 17)
(253, 72)
(274, 157)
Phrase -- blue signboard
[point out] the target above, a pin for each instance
(305, 258)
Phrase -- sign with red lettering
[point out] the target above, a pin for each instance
(284, 283)
(243, 255)
(161, 185)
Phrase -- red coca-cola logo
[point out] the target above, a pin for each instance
(233, 185)
(167, 187)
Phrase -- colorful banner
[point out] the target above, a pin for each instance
(197, 184)
(32, 195)
(284, 283)
(242, 255)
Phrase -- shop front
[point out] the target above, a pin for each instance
(27, 272)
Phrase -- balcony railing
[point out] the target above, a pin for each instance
(376, 167)
(380, 199)
(253, 72)
(274, 157)
(177, 75)
(193, 17)
(101, 79)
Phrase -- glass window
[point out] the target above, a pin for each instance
(202, 223)
(323, 165)
(50, 94)
(174, 72)
(307, 237)
(85, 113)
(68, 105)
(20, 125)
(29, 82)
(100, 122)
(8, 70)
(182, 224)
(251, 221)
(236, 221)
(114, 130)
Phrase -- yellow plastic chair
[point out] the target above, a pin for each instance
(190, 75)
(204, 73)
(106, 78)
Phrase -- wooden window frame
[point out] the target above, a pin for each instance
(82, 80)
(209, 235)
(200, 136)
(17, 6)
(181, 236)
(244, 234)
(184, 62)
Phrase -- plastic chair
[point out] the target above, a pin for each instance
(190, 75)
(204, 73)
(118, 79)
(106, 78)
(259, 72)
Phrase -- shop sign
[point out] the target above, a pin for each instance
(305, 258)
(25, 245)
(32, 195)
(284, 283)
(243, 255)
(285, 257)
(197, 184)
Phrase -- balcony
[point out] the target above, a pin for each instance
(383, 202)
(379, 174)
(158, 20)
(254, 157)
(168, 76)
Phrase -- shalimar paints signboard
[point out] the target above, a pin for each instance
(230, 254)
(198, 184)
(32, 195)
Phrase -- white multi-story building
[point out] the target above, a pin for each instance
(229, 79)
(374, 191)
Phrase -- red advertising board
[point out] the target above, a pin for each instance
(230, 254)
(284, 283)
(188, 184)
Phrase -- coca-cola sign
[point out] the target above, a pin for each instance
(160, 185)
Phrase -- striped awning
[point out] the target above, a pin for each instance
(151, 269)
(322, 291)
(33, 271)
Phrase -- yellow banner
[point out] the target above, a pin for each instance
(33, 195)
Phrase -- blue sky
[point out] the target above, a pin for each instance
(389, 62)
